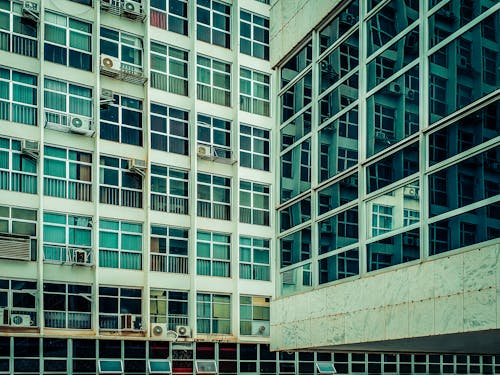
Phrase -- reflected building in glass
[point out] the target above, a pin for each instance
(389, 175)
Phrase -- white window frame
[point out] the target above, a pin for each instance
(167, 80)
(251, 101)
(210, 91)
(253, 191)
(166, 261)
(208, 206)
(120, 250)
(26, 113)
(256, 270)
(213, 265)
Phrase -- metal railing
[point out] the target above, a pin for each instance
(67, 254)
(169, 263)
(70, 320)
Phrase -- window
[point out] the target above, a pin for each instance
(125, 47)
(169, 306)
(120, 308)
(170, 15)
(215, 132)
(254, 258)
(67, 238)
(214, 81)
(67, 173)
(254, 92)
(214, 196)
(213, 254)
(17, 34)
(118, 185)
(68, 41)
(169, 189)
(18, 96)
(169, 129)
(254, 147)
(67, 306)
(213, 312)
(381, 219)
(19, 221)
(63, 100)
(18, 171)
(213, 21)
(410, 217)
(121, 121)
(169, 249)
(85, 2)
(254, 35)
(19, 298)
(169, 69)
(120, 244)
(254, 315)
(254, 203)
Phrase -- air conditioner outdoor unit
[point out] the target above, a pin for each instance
(20, 320)
(183, 331)
(328, 72)
(31, 10)
(107, 96)
(80, 257)
(347, 18)
(204, 151)
(409, 241)
(105, 4)
(411, 95)
(137, 166)
(110, 64)
(381, 136)
(411, 192)
(463, 63)
(31, 148)
(260, 328)
(131, 8)
(159, 330)
(446, 14)
(80, 125)
(395, 88)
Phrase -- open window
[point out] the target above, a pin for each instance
(206, 367)
(326, 368)
(111, 366)
(159, 366)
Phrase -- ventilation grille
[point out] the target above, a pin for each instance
(14, 247)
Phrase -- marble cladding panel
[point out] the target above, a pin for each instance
(456, 293)
(480, 310)
(449, 314)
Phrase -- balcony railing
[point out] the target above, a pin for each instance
(69, 320)
(163, 203)
(127, 198)
(64, 122)
(18, 44)
(177, 320)
(220, 211)
(54, 187)
(213, 268)
(54, 253)
(169, 263)
(22, 182)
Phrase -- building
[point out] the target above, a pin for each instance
(388, 176)
(137, 190)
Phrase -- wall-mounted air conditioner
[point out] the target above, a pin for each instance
(395, 88)
(110, 65)
(204, 151)
(20, 320)
(31, 10)
(411, 192)
(183, 331)
(30, 148)
(131, 322)
(80, 256)
(80, 125)
(260, 328)
(137, 166)
(131, 8)
(106, 97)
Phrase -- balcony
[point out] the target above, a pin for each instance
(126, 198)
(169, 263)
(174, 205)
(17, 181)
(54, 187)
(70, 320)
(124, 8)
(220, 211)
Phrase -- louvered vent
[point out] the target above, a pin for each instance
(14, 247)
